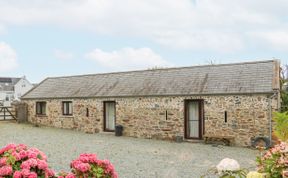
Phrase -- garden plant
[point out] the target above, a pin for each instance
(20, 161)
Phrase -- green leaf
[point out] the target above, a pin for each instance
(39, 156)
(281, 126)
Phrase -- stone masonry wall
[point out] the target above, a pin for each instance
(247, 116)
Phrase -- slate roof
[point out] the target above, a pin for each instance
(237, 78)
(7, 83)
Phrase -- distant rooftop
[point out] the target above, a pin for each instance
(235, 78)
(5, 80)
(7, 83)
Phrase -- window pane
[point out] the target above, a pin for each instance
(193, 109)
(43, 108)
(37, 108)
(70, 108)
(64, 108)
(110, 116)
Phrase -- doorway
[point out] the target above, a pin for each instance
(109, 116)
(193, 119)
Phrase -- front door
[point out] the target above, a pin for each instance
(109, 116)
(193, 119)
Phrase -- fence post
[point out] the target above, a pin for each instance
(4, 113)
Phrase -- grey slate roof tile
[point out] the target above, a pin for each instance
(252, 77)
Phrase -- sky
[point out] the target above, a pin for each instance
(41, 38)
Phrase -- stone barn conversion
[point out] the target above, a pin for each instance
(234, 100)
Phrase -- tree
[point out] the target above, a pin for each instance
(283, 88)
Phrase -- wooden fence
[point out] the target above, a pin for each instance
(7, 113)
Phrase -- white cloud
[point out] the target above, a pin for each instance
(277, 40)
(8, 57)
(220, 25)
(128, 58)
(2, 29)
(215, 41)
(63, 55)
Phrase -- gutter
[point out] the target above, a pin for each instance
(160, 95)
(270, 115)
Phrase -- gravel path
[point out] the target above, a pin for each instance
(132, 157)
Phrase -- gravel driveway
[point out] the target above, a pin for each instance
(132, 157)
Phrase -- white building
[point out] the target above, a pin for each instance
(12, 89)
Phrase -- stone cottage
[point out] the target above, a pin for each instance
(234, 100)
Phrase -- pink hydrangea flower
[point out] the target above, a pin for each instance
(17, 174)
(41, 164)
(21, 147)
(32, 175)
(3, 161)
(32, 154)
(88, 158)
(25, 172)
(10, 146)
(23, 154)
(29, 163)
(82, 166)
(50, 172)
(16, 155)
(70, 175)
(6, 171)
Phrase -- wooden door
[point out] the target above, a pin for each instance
(109, 116)
(193, 119)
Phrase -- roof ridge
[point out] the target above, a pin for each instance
(168, 68)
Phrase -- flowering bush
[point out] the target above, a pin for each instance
(274, 161)
(228, 164)
(19, 161)
(66, 175)
(230, 168)
(227, 168)
(87, 165)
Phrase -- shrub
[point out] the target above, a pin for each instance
(227, 168)
(281, 126)
(19, 161)
(87, 165)
(274, 161)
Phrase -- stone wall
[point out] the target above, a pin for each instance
(247, 116)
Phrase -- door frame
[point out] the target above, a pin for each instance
(201, 117)
(104, 115)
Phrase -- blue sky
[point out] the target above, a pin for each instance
(43, 38)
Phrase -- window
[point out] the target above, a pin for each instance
(67, 107)
(41, 108)
(225, 116)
